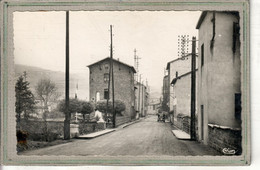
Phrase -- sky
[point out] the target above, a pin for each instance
(39, 39)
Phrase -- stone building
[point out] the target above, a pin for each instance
(123, 85)
(219, 75)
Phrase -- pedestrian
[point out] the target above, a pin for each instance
(163, 117)
(99, 116)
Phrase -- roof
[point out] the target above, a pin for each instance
(204, 13)
(179, 77)
(168, 64)
(201, 19)
(108, 58)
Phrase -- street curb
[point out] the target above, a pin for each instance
(124, 126)
(112, 130)
(180, 136)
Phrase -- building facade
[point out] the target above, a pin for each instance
(165, 94)
(123, 85)
(219, 75)
(141, 99)
(181, 86)
(176, 68)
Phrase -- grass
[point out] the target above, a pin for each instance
(31, 145)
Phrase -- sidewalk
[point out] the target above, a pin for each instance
(181, 135)
(129, 123)
(106, 131)
(95, 134)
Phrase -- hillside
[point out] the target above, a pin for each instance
(34, 74)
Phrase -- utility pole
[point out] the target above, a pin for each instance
(183, 46)
(108, 89)
(193, 90)
(25, 75)
(139, 91)
(67, 112)
(143, 98)
(136, 59)
(112, 70)
(76, 93)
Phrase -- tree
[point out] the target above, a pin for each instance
(25, 102)
(86, 108)
(74, 106)
(46, 90)
(102, 106)
(119, 106)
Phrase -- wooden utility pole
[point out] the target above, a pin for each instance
(136, 60)
(139, 91)
(108, 89)
(193, 90)
(67, 112)
(143, 98)
(112, 71)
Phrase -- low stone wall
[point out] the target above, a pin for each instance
(39, 130)
(220, 138)
(90, 127)
(183, 123)
(119, 121)
(122, 120)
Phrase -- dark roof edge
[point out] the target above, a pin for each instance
(167, 67)
(204, 13)
(179, 77)
(202, 17)
(113, 60)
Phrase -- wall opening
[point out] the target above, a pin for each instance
(202, 55)
(106, 95)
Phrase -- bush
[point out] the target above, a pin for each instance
(102, 106)
(119, 106)
(74, 106)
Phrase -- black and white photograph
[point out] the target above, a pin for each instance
(129, 83)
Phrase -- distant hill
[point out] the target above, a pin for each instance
(155, 94)
(34, 74)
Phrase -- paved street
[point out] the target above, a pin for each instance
(147, 137)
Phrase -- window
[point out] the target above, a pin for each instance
(202, 55)
(238, 106)
(106, 77)
(106, 66)
(236, 29)
(106, 95)
(97, 96)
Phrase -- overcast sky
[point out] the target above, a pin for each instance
(39, 39)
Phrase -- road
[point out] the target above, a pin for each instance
(147, 137)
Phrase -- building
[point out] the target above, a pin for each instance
(165, 94)
(153, 106)
(181, 86)
(219, 76)
(177, 68)
(141, 99)
(123, 85)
